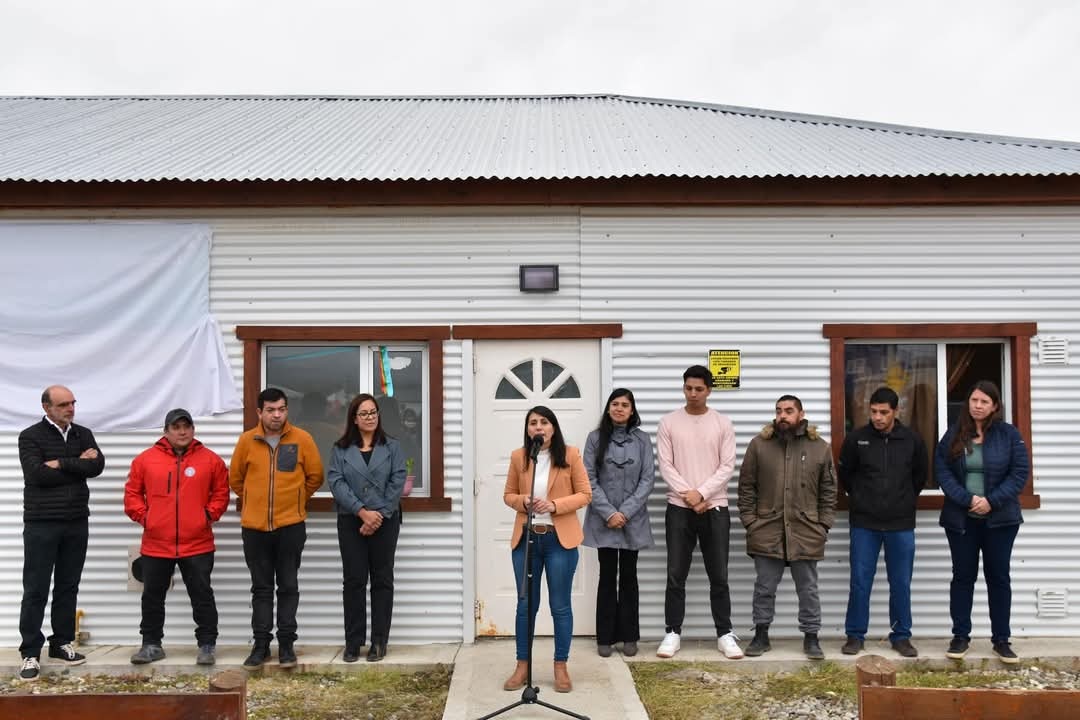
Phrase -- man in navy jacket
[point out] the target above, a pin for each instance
(883, 468)
(57, 457)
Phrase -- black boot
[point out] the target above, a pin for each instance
(286, 655)
(260, 653)
(811, 647)
(760, 644)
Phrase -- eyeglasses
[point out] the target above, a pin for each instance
(368, 414)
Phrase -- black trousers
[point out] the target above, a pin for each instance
(684, 529)
(52, 550)
(362, 557)
(274, 558)
(617, 597)
(196, 573)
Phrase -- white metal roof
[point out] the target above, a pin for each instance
(122, 139)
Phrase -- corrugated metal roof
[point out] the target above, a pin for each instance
(124, 139)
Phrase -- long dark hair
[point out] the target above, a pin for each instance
(352, 432)
(558, 444)
(965, 425)
(607, 425)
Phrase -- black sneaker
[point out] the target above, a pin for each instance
(66, 653)
(31, 669)
(853, 646)
(905, 648)
(206, 655)
(147, 654)
(957, 648)
(811, 647)
(1005, 653)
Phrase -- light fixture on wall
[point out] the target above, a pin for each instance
(538, 278)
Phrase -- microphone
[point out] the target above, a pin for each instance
(535, 444)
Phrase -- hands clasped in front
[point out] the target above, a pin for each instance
(372, 520)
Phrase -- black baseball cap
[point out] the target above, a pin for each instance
(177, 415)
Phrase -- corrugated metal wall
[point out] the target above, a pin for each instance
(762, 281)
(323, 269)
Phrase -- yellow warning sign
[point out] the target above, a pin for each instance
(724, 366)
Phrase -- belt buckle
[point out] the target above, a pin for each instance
(540, 529)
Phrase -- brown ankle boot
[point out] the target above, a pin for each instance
(517, 680)
(562, 678)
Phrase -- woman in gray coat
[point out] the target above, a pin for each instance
(619, 460)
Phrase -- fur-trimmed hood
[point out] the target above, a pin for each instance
(804, 428)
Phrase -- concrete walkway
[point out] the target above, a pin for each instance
(603, 687)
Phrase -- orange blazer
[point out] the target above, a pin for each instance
(567, 486)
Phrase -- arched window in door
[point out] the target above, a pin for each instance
(537, 379)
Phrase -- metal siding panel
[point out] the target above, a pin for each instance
(764, 281)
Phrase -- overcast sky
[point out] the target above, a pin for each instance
(1009, 67)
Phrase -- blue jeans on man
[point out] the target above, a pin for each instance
(863, 551)
(546, 554)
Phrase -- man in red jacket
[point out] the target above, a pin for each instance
(176, 490)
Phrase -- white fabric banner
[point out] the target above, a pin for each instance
(119, 313)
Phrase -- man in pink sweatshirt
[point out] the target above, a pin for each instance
(696, 449)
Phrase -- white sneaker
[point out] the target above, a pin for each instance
(729, 645)
(669, 645)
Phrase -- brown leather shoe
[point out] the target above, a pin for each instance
(562, 678)
(517, 680)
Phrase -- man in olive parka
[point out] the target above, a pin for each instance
(787, 501)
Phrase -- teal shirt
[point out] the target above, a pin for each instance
(974, 480)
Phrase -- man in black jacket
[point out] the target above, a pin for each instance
(57, 457)
(883, 469)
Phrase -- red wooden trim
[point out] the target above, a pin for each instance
(538, 332)
(1020, 359)
(672, 191)
(928, 330)
(123, 706)
(899, 703)
(252, 381)
(333, 333)
(836, 404)
(254, 336)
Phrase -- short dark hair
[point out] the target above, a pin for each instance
(271, 395)
(790, 398)
(885, 395)
(46, 398)
(700, 372)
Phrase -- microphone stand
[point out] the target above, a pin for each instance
(530, 693)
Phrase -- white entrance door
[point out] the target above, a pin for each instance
(511, 377)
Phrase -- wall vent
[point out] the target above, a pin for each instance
(1052, 603)
(1053, 351)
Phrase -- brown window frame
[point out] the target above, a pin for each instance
(1016, 335)
(255, 336)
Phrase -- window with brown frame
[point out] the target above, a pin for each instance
(931, 367)
(324, 367)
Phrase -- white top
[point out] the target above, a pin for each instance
(540, 484)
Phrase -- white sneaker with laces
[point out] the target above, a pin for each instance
(669, 645)
(729, 645)
(31, 669)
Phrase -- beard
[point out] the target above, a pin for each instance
(784, 431)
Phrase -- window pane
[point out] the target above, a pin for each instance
(569, 389)
(966, 364)
(319, 382)
(506, 391)
(524, 373)
(910, 369)
(401, 413)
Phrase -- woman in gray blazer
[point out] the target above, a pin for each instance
(366, 476)
(619, 460)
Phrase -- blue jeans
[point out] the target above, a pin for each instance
(546, 554)
(863, 550)
(996, 545)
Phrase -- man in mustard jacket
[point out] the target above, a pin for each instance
(275, 468)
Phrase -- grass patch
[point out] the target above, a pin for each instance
(381, 694)
(694, 691)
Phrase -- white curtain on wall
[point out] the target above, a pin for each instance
(119, 313)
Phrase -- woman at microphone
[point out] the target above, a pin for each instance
(559, 485)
